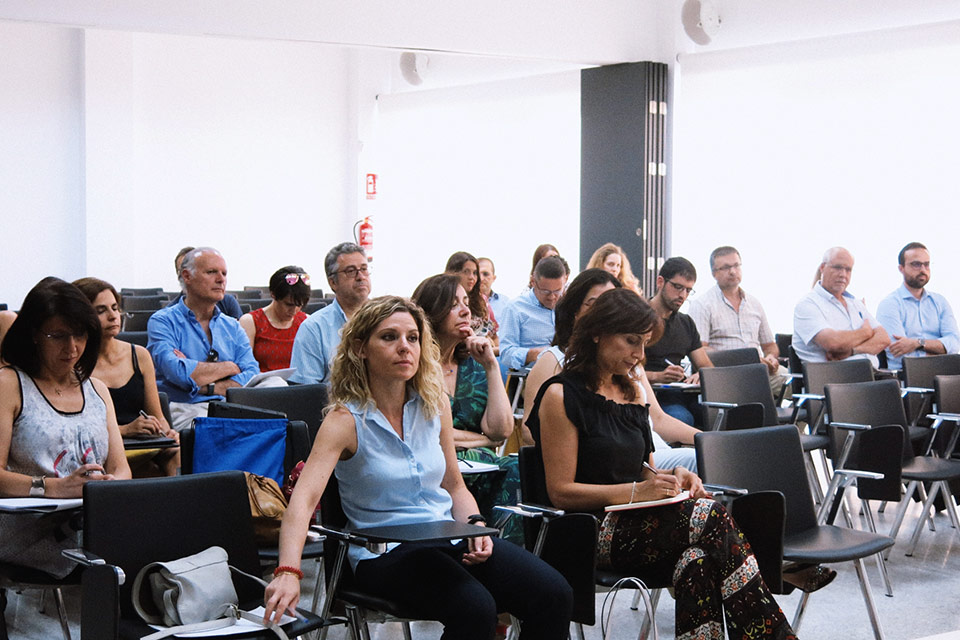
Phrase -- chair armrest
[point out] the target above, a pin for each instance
(100, 601)
(918, 390)
(852, 426)
(545, 511)
(859, 473)
(85, 558)
(949, 417)
(761, 516)
(724, 490)
(792, 376)
(719, 405)
(339, 534)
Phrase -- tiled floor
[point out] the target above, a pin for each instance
(926, 604)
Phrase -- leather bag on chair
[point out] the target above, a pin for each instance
(267, 506)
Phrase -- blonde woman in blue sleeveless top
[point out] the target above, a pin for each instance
(389, 439)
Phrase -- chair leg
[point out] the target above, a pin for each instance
(924, 514)
(950, 505)
(3, 614)
(407, 635)
(649, 621)
(868, 598)
(635, 605)
(901, 511)
(578, 631)
(318, 586)
(356, 623)
(62, 612)
(881, 563)
(812, 477)
(798, 614)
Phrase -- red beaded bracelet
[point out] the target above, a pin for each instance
(293, 571)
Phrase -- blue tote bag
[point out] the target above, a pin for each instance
(227, 444)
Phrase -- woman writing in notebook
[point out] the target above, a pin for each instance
(594, 434)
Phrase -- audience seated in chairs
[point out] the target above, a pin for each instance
(58, 426)
(591, 423)
(577, 300)
(467, 268)
(272, 329)
(128, 372)
(481, 413)
(390, 416)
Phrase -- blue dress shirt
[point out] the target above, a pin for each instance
(498, 302)
(177, 327)
(525, 324)
(390, 481)
(930, 318)
(316, 344)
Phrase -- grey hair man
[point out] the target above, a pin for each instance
(228, 304)
(319, 336)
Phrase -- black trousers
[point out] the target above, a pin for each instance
(431, 579)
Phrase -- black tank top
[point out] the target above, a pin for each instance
(129, 399)
(613, 439)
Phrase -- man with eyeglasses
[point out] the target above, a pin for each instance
(319, 336)
(829, 323)
(527, 325)
(920, 322)
(680, 339)
(727, 317)
(198, 350)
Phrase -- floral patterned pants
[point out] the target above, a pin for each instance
(696, 547)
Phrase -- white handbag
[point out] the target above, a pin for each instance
(191, 594)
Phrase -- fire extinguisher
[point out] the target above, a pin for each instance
(364, 236)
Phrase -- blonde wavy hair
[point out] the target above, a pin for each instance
(626, 277)
(350, 381)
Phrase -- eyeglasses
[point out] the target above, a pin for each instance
(679, 288)
(840, 267)
(291, 278)
(351, 271)
(729, 267)
(918, 265)
(213, 356)
(548, 292)
(62, 336)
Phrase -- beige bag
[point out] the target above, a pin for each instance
(267, 505)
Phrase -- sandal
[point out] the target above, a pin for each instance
(808, 577)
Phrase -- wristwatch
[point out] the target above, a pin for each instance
(209, 390)
(922, 343)
(38, 488)
(475, 518)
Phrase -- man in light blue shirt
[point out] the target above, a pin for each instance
(319, 336)
(919, 321)
(199, 351)
(488, 275)
(829, 323)
(527, 326)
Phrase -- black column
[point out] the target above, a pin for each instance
(623, 168)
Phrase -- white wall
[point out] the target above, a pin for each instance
(40, 156)
(492, 169)
(784, 151)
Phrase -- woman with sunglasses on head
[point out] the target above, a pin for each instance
(131, 378)
(57, 425)
(272, 329)
(593, 429)
(389, 440)
(482, 418)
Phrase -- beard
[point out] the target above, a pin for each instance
(917, 282)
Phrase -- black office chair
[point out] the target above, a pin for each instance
(145, 303)
(947, 397)
(918, 375)
(879, 403)
(136, 320)
(133, 523)
(304, 402)
(133, 337)
(248, 294)
(816, 375)
(734, 357)
(315, 305)
(724, 387)
(148, 291)
(19, 578)
(771, 459)
(257, 303)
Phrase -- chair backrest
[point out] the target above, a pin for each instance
(148, 291)
(920, 371)
(878, 449)
(818, 374)
(738, 384)
(734, 357)
(134, 337)
(165, 406)
(248, 294)
(297, 447)
(257, 303)
(768, 459)
(218, 409)
(947, 389)
(144, 303)
(136, 320)
(135, 522)
(744, 416)
(873, 403)
(795, 365)
(315, 305)
(304, 402)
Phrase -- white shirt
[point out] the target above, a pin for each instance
(819, 310)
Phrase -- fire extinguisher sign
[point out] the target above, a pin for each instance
(371, 186)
